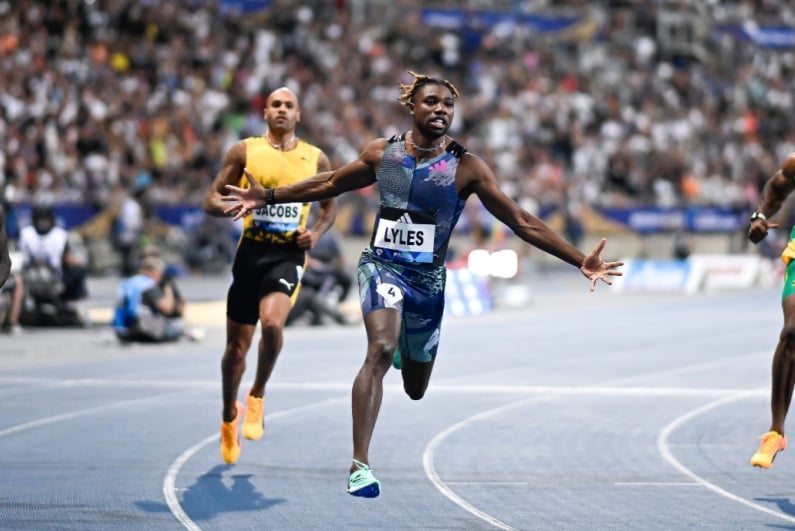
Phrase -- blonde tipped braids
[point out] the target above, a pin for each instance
(407, 91)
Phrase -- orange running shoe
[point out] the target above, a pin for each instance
(230, 440)
(253, 423)
(772, 443)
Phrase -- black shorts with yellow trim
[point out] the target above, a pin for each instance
(260, 269)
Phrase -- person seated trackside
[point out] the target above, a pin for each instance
(147, 310)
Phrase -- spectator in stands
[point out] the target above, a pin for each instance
(134, 111)
(129, 88)
(5, 257)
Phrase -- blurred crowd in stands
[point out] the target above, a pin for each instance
(638, 103)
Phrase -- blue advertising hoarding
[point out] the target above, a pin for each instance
(641, 220)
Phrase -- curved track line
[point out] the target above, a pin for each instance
(663, 448)
(170, 480)
(430, 469)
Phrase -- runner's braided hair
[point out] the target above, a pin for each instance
(407, 91)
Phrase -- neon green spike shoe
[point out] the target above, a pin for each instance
(362, 482)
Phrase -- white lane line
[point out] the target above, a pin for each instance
(656, 484)
(170, 480)
(430, 469)
(74, 414)
(440, 388)
(489, 483)
(664, 448)
(169, 483)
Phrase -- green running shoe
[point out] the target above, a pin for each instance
(362, 482)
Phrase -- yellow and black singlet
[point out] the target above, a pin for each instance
(276, 224)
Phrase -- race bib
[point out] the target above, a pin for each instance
(277, 218)
(390, 293)
(405, 236)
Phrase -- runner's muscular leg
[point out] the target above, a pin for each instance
(783, 377)
(233, 364)
(274, 308)
(383, 329)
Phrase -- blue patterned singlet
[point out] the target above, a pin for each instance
(403, 268)
(419, 204)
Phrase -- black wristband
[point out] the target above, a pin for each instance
(269, 199)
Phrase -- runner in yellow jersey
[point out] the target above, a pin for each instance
(270, 258)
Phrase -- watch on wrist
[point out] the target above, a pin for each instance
(758, 215)
(269, 199)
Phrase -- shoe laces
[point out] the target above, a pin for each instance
(362, 470)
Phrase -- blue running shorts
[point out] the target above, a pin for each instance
(416, 292)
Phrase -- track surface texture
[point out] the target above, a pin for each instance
(577, 411)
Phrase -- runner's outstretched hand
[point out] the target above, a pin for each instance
(595, 268)
(758, 229)
(244, 200)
